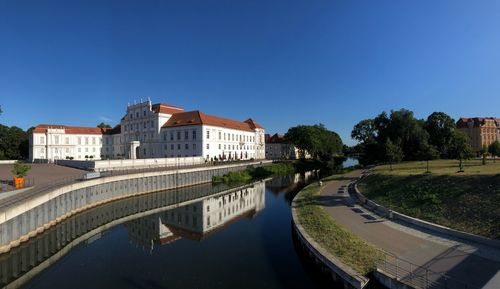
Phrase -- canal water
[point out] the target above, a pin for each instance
(197, 237)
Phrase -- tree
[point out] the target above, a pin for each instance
(460, 148)
(393, 152)
(494, 149)
(440, 128)
(103, 125)
(14, 143)
(428, 153)
(364, 131)
(484, 153)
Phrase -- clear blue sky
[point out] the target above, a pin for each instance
(281, 62)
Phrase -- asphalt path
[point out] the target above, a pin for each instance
(460, 262)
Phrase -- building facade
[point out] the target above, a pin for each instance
(277, 148)
(482, 131)
(152, 131)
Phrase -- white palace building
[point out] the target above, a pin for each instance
(152, 131)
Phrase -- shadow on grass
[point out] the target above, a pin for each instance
(464, 202)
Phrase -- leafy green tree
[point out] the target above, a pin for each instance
(103, 125)
(460, 148)
(494, 150)
(484, 153)
(393, 152)
(440, 128)
(20, 170)
(364, 131)
(13, 143)
(322, 144)
(429, 152)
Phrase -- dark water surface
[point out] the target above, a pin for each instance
(203, 238)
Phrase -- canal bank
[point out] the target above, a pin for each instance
(25, 215)
(251, 247)
(410, 256)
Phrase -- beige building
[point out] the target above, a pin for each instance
(277, 148)
(482, 131)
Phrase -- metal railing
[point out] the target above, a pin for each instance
(417, 276)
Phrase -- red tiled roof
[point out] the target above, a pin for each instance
(116, 130)
(42, 128)
(276, 138)
(478, 121)
(253, 124)
(166, 108)
(197, 118)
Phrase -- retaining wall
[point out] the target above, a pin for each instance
(339, 270)
(387, 213)
(25, 217)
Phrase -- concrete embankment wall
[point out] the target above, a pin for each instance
(338, 270)
(387, 213)
(26, 217)
(24, 262)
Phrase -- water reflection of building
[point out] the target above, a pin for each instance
(25, 261)
(289, 183)
(197, 220)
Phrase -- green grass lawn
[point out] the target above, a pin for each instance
(467, 201)
(343, 244)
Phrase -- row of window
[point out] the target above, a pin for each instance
(130, 127)
(87, 140)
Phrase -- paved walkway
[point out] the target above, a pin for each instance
(476, 265)
(39, 175)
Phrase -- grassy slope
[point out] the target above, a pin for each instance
(466, 201)
(349, 248)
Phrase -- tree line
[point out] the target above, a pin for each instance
(399, 136)
(320, 143)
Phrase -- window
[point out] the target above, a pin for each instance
(152, 124)
(179, 146)
(224, 136)
(224, 146)
(208, 146)
(194, 146)
(79, 150)
(220, 146)
(42, 150)
(86, 140)
(144, 113)
(172, 146)
(67, 140)
(137, 114)
(171, 136)
(186, 133)
(56, 150)
(178, 135)
(164, 136)
(93, 150)
(208, 134)
(208, 208)
(220, 134)
(86, 150)
(186, 146)
(56, 139)
(93, 140)
(194, 134)
(208, 220)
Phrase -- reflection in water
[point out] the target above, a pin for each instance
(160, 218)
(197, 220)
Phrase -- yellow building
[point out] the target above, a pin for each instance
(482, 131)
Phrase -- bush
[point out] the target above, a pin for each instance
(20, 170)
